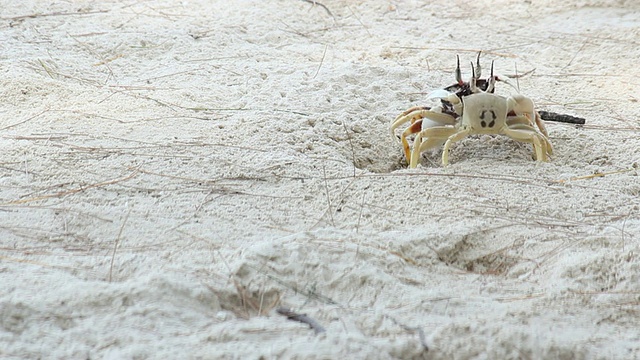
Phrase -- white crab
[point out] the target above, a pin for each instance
(473, 111)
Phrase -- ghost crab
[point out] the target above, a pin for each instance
(469, 108)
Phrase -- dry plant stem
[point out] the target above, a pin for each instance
(353, 152)
(455, 50)
(321, 5)
(419, 330)
(317, 328)
(360, 213)
(360, 21)
(353, 179)
(251, 303)
(74, 191)
(596, 175)
(326, 187)
(24, 121)
(324, 53)
(311, 294)
(60, 13)
(117, 242)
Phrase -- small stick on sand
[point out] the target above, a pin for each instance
(317, 328)
(551, 116)
(423, 340)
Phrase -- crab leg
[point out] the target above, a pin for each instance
(518, 120)
(453, 138)
(404, 117)
(523, 123)
(416, 115)
(530, 136)
(413, 129)
(433, 137)
(540, 124)
(522, 105)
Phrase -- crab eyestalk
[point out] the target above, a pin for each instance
(478, 68)
(492, 81)
(472, 82)
(458, 72)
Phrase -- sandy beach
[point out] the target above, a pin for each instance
(216, 180)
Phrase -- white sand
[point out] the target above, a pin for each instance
(172, 172)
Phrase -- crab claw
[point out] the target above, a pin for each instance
(439, 94)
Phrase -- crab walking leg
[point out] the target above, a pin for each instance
(544, 144)
(416, 127)
(404, 117)
(523, 105)
(417, 124)
(523, 123)
(518, 120)
(420, 112)
(541, 126)
(548, 148)
(423, 112)
(434, 137)
(453, 138)
(529, 137)
(537, 121)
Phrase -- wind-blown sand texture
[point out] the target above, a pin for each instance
(173, 174)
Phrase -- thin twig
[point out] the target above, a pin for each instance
(417, 329)
(344, 190)
(311, 294)
(517, 77)
(321, 5)
(454, 49)
(74, 191)
(326, 188)
(46, 68)
(624, 223)
(117, 242)
(321, 61)
(353, 152)
(59, 13)
(360, 214)
(24, 121)
(317, 328)
(576, 53)
(596, 175)
(360, 21)
(98, 56)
